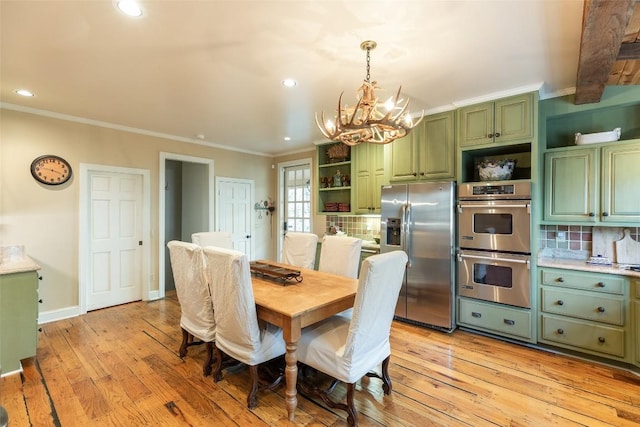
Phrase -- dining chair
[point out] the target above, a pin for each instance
(238, 333)
(340, 255)
(197, 319)
(347, 349)
(299, 249)
(221, 239)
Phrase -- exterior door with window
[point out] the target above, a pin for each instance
(297, 198)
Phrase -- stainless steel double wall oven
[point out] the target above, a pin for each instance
(494, 237)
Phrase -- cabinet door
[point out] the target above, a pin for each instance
(636, 305)
(370, 174)
(437, 148)
(380, 175)
(620, 180)
(403, 155)
(476, 124)
(513, 119)
(571, 183)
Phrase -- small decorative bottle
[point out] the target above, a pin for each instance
(337, 179)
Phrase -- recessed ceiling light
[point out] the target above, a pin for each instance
(130, 8)
(289, 83)
(286, 138)
(24, 92)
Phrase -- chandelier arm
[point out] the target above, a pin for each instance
(322, 126)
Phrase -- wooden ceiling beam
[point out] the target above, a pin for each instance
(603, 27)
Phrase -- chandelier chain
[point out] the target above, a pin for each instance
(368, 65)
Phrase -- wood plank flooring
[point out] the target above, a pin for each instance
(119, 367)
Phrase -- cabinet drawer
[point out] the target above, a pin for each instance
(635, 288)
(600, 308)
(501, 319)
(605, 283)
(603, 339)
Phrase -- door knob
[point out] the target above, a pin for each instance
(248, 236)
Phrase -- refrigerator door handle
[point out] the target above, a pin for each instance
(407, 232)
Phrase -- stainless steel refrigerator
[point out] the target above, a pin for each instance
(419, 219)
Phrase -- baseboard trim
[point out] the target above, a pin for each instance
(53, 315)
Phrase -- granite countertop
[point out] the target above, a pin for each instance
(14, 260)
(549, 260)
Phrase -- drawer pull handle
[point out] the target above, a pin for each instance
(560, 331)
(560, 279)
(560, 302)
(601, 340)
(600, 309)
(600, 285)
(509, 322)
(476, 314)
(40, 300)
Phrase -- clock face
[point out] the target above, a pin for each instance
(51, 170)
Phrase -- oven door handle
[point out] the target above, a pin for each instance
(484, 206)
(488, 258)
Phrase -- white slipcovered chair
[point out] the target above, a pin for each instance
(196, 306)
(349, 348)
(221, 239)
(340, 255)
(299, 249)
(238, 333)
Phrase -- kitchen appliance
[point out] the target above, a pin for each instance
(495, 216)
(494, 236)
(419, 219)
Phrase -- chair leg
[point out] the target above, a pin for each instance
(252, 400)
(352, 413)
(217, 371)
(186, 337)
(208, 363)
(386, 379)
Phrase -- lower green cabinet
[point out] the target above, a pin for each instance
(586, 312)
(18, 318)
(507, 321)
(636, 318)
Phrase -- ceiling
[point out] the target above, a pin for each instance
(211, 71)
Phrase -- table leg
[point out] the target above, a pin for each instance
(291, 377)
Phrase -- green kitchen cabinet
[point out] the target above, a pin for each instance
(586, 312)
(18, 318)
(499, 319)
(635, 284)
(593, 185)
(427, 153)
(506, 120)
(370, 174)
(334, 179)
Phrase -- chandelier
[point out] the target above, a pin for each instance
(369, 121)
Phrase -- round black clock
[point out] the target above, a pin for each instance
(51, 170)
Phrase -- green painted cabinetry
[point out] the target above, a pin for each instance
(586, 312)
(427, 153)
(498, 319)
(334, 180)
(370, 174)
(635, 284)
(593, 184)
(503, 121)
(18, 318)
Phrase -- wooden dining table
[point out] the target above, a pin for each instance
(292, 305)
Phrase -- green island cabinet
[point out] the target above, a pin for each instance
(498, 319)
(370, 174)
(334, 198)
(427, 153)
(595, 183)
(18, 318)
(505, 120)
(586, 312)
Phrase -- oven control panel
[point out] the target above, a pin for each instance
(495, 190)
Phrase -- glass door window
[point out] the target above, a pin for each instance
(297, 198)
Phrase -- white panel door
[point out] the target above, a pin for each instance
(234, 212)
(115, 266)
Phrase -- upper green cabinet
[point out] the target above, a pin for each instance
(334, 178)
(427, 153)
(370, 174)
(504, 121)
(594, 185)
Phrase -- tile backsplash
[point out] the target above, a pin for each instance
(577, 237)
(355, 225)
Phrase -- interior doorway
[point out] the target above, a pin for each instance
(295, 186)
(186, 206)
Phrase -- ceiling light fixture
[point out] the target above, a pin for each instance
(289, 83)
(130, 7)
(24, 92)
(367, 122)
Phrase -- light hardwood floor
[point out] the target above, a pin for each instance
(119, 366)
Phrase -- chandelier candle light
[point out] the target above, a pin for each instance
(367, 122)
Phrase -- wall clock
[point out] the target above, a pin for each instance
(51, 170)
